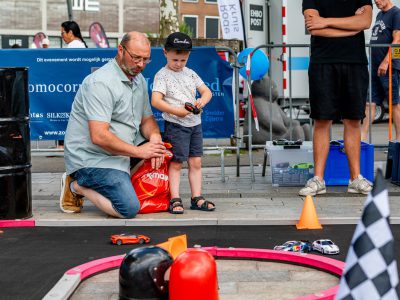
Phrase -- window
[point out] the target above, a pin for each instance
(212, 27)
(211, 1)
(191, 21)
(190, 1)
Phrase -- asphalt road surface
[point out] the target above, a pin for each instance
(33, 259)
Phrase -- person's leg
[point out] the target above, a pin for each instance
(97, 199)
(174, 176)
(324, 89)
(109, 189)
(194, 174)
(352, 145)
(321, 146)
(377, 96)
(365, 125)
(396, 119)
(353, 103)
(179, 137)
(396, 102)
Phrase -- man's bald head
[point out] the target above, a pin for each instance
(135, 37)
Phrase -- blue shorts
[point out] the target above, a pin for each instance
(113, 184)
(186, 141)
(380, 87)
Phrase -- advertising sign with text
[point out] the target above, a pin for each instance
(55, 76)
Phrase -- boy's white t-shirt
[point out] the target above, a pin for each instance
(178, 88)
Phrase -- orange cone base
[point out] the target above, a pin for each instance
(193, 276)
(308, 218)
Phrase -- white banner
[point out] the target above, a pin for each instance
(231, 19)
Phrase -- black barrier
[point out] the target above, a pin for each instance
(15, 155)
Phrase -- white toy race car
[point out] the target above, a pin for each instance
(325, 246)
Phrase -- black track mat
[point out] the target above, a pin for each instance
(32, 260)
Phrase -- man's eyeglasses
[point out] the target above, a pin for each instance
(137, 59)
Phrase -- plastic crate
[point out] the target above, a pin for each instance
(337, 168)
(290, 165)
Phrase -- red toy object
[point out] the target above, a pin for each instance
(193, 276)
(192, 108)
(152, 186)
(124, 238)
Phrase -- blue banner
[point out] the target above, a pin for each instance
(56, 74)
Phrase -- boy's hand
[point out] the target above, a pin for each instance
(181, 112)
(200, 103)
(192, 108)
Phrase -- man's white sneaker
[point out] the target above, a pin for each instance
(313, 187)
(360, 185)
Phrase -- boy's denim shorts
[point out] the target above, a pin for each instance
(113, 184)
(186, 141)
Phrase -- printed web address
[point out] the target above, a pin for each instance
(54, 133)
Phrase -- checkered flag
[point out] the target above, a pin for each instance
(371, 269)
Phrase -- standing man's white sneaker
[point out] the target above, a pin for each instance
(360, 185)
(313, 187)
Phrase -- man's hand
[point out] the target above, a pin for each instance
(383, 68)
(156, 161)
(151, 150)
(314, 22)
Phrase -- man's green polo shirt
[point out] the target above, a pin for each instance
(106, 95)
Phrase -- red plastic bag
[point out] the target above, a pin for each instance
(152, 186)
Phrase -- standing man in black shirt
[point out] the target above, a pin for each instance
(338, 82)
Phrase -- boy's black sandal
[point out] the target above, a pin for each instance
(174, 203)
(203, 206)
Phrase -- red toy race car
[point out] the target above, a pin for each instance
(124, 238)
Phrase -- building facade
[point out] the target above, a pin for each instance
(20, 20)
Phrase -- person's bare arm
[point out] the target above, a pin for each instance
(326, 32)
(383, 67)
(150, 130)
(157, 100)
(333, 32)
(360, 21)
(101, 136)
(205, 96)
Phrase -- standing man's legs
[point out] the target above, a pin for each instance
(316, 185)
(352, 145)
(365, 124)
(321, 146)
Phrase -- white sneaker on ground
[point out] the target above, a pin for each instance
(360, 185)
(313, 187)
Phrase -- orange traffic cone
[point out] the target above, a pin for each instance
(175, 245)
(308, 218)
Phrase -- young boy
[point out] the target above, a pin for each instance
(174, 85)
